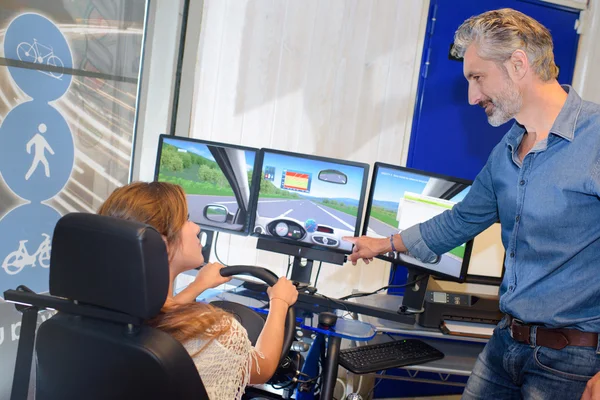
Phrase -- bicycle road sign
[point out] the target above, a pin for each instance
(34, 39)
(26, 233)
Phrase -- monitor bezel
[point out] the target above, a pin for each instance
(361, 201)
(254, 181)
(432, 272)
(486, 279)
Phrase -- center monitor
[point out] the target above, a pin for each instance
(402, 197)
(306, 204)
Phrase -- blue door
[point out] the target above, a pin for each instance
(449, 136)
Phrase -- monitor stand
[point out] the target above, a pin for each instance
(414, 294)
(301, 270)
(304, 257)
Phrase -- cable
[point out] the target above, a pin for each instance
(363, 294)
(352, 315)
(336, 301)
(318, 272)
(343, 386)
(217, 254)
(284, 385)
(375, 385)
(295, 380)
(288, 268)
(394, 268)
(360, 381)
(311, 380)
(403, 310)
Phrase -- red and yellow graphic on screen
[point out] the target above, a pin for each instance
(296, 181)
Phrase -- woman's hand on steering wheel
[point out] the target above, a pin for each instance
(284, 290)
(209, 276)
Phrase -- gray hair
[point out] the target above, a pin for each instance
(499, 33)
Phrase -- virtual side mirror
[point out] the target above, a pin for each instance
(333, 176)
(216, 213)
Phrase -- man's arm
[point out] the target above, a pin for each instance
(473, 215)
(464, 221)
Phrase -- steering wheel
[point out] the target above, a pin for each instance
(249, 318)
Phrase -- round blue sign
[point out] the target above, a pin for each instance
(26, 234)
(36, 41)
(36, 151)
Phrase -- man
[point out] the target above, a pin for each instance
(542, 181)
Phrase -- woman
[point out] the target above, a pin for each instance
(218, 344)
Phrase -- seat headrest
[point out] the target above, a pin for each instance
(109, 262)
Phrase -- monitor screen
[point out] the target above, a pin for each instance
(308, 200)
(486, 265)
(216, 178)
(402, 197)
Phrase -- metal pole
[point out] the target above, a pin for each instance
(20, 386)
(331, 367)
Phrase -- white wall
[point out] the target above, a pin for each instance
(333, 78)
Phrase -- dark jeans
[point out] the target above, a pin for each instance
(507, 369)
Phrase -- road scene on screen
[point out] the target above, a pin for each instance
(402, 199)
(309, 201)
(212, 200)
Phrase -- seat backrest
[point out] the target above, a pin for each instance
(119, 266)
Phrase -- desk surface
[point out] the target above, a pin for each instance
(391, 302)
(460, 353)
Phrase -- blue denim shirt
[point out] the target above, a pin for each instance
(549, 209)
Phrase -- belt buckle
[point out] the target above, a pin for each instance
(514, 321)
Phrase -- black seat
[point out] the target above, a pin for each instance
(112, 275)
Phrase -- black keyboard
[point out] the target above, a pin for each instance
(398, 353)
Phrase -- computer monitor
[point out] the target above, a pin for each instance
(402, 197)
(216, 177)
(486, 265)
(306, 204)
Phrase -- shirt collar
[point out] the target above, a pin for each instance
(564, 125)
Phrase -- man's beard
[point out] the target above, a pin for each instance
(504, 107)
